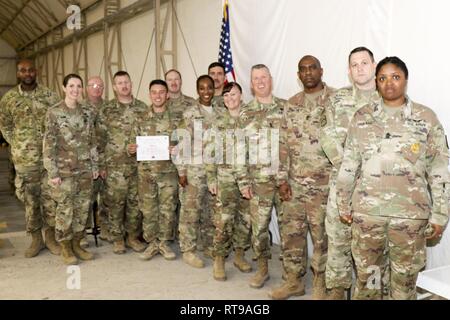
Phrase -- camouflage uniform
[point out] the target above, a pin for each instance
(98, 185)
(218, 103)
(11, 172)
(257, 119)
(70, 153)
(391, 165)
(342, 106)
(157, 181)
(232, 221)
(309, 171)
(197, 203)
(177, 107)
(114, 126)
(22, 116)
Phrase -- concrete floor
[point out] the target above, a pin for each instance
(112, 276)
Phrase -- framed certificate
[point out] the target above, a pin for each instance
(152, 148)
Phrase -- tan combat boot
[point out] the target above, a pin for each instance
(78, 250)
(151, 251)
(134, 243)
(262, 274)
(37, 244)
(240, 262)
(67, 253)
(192, 259)
(337, 294)
(319, 289)
(219, 269)
(119, 247)
(166, 251)
(84, 243)
(293, 286)
(51, 243)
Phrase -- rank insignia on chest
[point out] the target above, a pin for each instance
(323, 121)
(415, 147)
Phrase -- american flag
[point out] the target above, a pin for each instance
(225, 56)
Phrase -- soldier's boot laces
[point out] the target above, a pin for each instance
(337, 294)
(67, 254)
(319, 289)
(151, 251)
(192, 259)
(166, 251)
(293, 286)
(78, 249)
(262, 274)
(37, 244)
(50, 242)
(219, 269)
(134, 243)
(240, 262)
(119, 247)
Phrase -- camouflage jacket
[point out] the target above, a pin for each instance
(264, 126)
(390, 163)
(154, 124)
(22, 121)
(304, 120)
(69, 142)
(95, 108)
(339, 112)
(195, 130)
(178, 106)
(114, 126)
(224, 148)
(218, 103)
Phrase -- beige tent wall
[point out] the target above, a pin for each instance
(7, 67)
(199, 23)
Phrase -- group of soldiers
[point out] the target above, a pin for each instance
(293, 150)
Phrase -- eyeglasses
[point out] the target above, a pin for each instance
(95, 86)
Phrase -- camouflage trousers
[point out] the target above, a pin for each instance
(339, 266)
(11, 171)
(121, 201)
(306, 210)
(399, 241)
(232, 220)
(158, 194)
(265, 197)
(196, 214)
(73, 199)
(33, 190)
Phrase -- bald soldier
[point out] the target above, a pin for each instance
(178, 102)
(309, 171)
(22, 115)
(94, 91)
